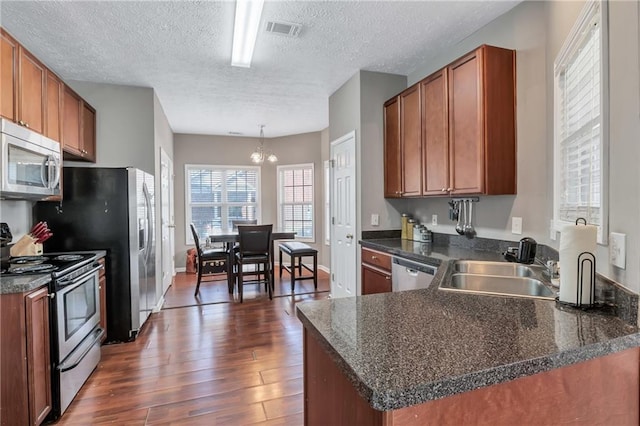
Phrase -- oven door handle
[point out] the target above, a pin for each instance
(73, 363)
(79, 279)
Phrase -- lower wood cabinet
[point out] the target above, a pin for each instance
(376, 272)
(25, 360)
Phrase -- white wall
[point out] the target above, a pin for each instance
(18, 214)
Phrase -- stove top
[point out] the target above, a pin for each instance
(58, 264)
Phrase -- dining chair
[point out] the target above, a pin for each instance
(254, 249)
(236, 222)
(208, 255)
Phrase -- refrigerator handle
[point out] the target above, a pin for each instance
(147, 229)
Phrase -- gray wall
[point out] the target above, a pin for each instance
(226, 150)
(18, 214)
(537, 31)
(124, 124)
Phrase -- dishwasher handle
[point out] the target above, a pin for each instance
(414, 267)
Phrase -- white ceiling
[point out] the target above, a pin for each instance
(183, 50)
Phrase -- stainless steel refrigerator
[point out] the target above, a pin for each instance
(110, 209)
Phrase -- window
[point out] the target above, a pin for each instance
(295, 200)
(581, 122)
(216, 195)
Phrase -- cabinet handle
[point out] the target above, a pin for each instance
(444, 190)
(374, 257)
(26, 125)
(387, 278)
(51, 295)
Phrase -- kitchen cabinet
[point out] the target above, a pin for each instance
(78, 135)
(467, 125)
(23, 85)
(392, 163)
(102, 286)
(403, 146)
(31, 91)
(53, 107)
(8, 76)
(482, 114)
(376, 272)
(25, 396)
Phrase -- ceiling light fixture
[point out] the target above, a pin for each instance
(245, 31)
(258, 156)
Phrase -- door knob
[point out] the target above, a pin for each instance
(349, 236)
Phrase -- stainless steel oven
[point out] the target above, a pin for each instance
(75, 331)
(30, 164)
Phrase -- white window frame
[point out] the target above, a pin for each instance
(313, 195)
(576, 37)
(187, 195)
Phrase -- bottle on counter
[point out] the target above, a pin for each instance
(404, 221)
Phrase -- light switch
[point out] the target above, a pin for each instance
(434, 219)
(618, 250)
(375, 219)
(516, 225)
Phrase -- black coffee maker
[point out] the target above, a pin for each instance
(524, 253)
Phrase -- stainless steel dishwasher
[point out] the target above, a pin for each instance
(409, 275)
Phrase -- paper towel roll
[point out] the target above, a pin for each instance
(574, 240)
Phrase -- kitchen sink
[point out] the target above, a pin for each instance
(499, 278)
(497, 268)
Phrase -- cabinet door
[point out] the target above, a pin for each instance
(53, 110)
(88, 146)
(435, 134)
(375, 280)
(465, 123)
(8, 76)
(411, 141)
(31, 91)
(71, 122)
(392, 165)
(38, 357)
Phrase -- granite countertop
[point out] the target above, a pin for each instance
(27, 283)
(406, 348)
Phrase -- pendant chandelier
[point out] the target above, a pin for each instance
(259, 155)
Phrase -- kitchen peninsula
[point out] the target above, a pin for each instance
(436, 357)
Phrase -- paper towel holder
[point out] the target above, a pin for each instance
(586, 264)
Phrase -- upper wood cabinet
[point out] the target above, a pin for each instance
(33, 96)
(53, 107)
(392, 153)
(8, 76)
(468, 133)
(79, 128)
(402, 148)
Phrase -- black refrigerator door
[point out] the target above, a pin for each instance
(94, 215)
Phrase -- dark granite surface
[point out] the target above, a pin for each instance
(401, 349)
(26, 283)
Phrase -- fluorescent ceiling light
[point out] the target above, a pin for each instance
(245, 31)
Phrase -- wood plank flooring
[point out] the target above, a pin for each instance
(209, 362)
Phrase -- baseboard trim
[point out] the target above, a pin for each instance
(158, 306)
(184, 269)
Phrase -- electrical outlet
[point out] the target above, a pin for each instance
(434, 219)
(618, 250)
(516, 225)
(375, 219)
(552, 231)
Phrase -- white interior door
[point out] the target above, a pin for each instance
(167, 220)
(343, 216)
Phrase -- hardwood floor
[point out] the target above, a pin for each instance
(212, 361)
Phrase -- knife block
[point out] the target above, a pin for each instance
(26, 246)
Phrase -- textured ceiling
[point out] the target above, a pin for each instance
(183, 50)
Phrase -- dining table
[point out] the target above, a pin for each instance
(231, 237)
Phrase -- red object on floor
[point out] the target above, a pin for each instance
(191, 261)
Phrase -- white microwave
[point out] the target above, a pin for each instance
(31, 164)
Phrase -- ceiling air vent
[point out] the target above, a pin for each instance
(284, 28)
